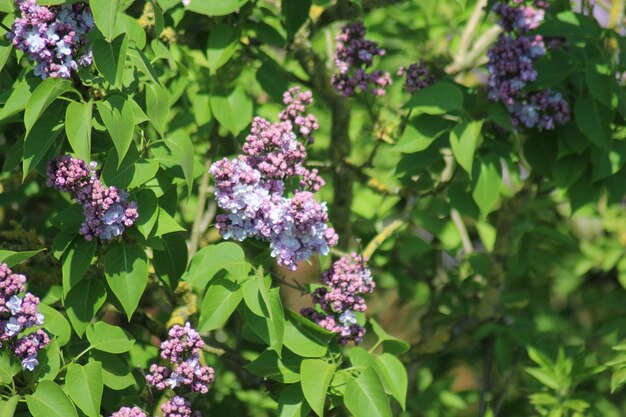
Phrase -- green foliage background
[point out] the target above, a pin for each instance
(499, 255)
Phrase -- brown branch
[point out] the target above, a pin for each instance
(341, 146)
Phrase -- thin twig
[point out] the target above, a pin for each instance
(202, 197)
(505, 387)
(486, 382)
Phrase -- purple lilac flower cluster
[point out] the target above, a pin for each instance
(346, 282)
(511, 68)
(252, 188)
(354, 55)
(129, 412)
(53, 37)
(106, 209)
(184, 374)
(417, 77)
(17, 314)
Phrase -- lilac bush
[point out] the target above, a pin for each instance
(345, 284)
(106, 209)
(18, 318)
(129, 412)
(53, 37)
(252, 188)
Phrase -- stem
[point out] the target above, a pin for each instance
(486, 383)
(460, 226)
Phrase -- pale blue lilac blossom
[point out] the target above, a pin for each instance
(129, 412)
(106, 209)
(345, 284)
(183, 372)
(252, 188)
(53, 37)
(353, 56)
(512, 68)
(18, 313)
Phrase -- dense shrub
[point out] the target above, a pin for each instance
(312, 207)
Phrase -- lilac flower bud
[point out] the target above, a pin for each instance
(53, 37)
(354, 54)
(345, 284)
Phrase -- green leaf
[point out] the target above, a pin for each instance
(49, 400)
(618, 379)
(20, 94)
(105, 15)
(42, 136)
(463, 141)
(78, 128)
(166, 224)
(421, 132)
(110, 58)
(133, 172)
(594, 120)
(269, 365)
(439, 98)
(117, 115)
(83, 302)
(220, 302)
(157, 106)
(76, 261)
(126, 271)
(107, 338)
(487, 184)
(171, 262)
(182, 152)
(389, 343)
(7, 408)
(277, 321)
(9, 367)
(295, 13)
(84, 386)
(211, 259)
(42, 97)
(49, 364)
(365, 396)
(215, 8)
(316, 375)
(393, 376)
(462, 3)
(303, 342)
(130, 26)
(232, 110)
(5, 51)
(115, 372)
(223, 43)
(12, 258)
(291, 402)
(55, 323)
(147, 205)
